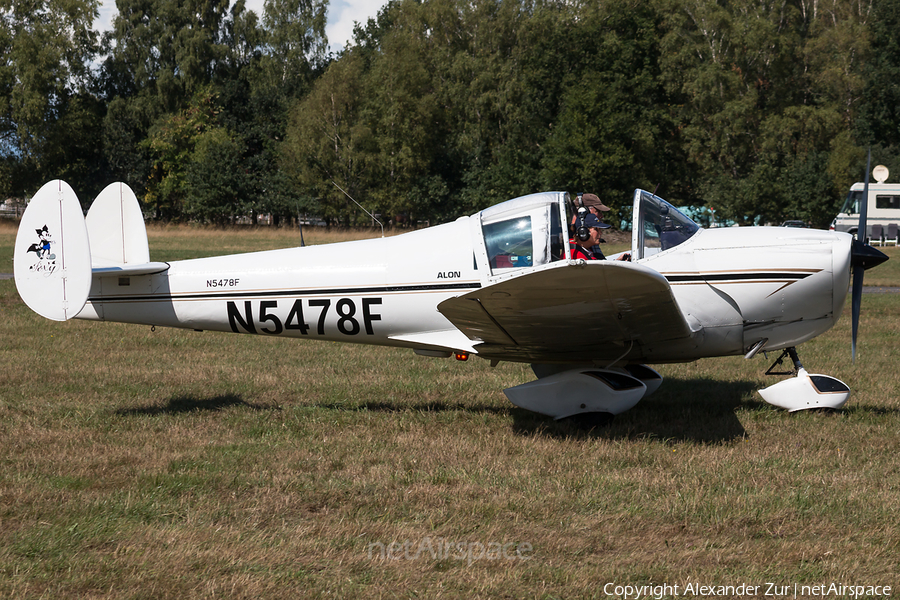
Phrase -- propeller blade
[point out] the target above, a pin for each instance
(856, 300)
(862, 257)
(861, 236)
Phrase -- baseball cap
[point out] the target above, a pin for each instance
(590, 200)
(591, 220)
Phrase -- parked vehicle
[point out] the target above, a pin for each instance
(883, 209)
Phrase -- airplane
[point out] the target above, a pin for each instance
(500, 285)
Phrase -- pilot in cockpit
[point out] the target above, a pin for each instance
(587, 234)
(586, 241)
(594, 205)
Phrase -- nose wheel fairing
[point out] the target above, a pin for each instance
(807, 391)
(804, 391)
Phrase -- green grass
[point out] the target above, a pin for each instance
(177, 464)
(887, 273)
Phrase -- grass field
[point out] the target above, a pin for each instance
(176, 464)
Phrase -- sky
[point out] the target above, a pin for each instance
(341, 16)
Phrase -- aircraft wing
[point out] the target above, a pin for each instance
(595, 311)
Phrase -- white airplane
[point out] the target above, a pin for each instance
(500, 284)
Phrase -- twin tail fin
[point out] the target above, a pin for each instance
(58, 252)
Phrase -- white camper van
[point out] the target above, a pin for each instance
(882, 213)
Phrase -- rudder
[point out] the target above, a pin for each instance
(52, 257)
(116, 229)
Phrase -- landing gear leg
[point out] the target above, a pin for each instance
(803, 391)
(788, 352)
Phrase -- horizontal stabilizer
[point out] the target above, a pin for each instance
(52, 258)
(148, 268)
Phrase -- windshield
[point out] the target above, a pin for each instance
(660, 225)
(851, 204)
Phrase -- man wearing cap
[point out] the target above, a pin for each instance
(593, 204)
(589, 249)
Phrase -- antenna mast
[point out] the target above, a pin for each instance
(360, 206)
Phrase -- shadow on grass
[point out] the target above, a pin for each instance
(699, 410)
(696, 410)
(426, 407)
(188, 404)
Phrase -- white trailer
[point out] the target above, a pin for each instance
(883, 210)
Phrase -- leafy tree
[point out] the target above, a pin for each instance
(123, 132)
(768, 88)
(269, 66)
(328, 142)
(450, 106)
(216, 185)
(160, 54)
(760, 108)
(614, 130)
(404, 116)
(171, 146)
(296, 42)
(730, 62)
(74, 150)
(878, 125)
(47, 47)
(480, 84)
(164, 50)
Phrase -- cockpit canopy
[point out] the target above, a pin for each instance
(660, 226)
(525, 232)
(529, 231)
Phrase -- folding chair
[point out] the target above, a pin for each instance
(877, 237)
(891, 236)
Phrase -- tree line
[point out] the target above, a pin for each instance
(758, 109)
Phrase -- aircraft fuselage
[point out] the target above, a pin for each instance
(735, 286)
